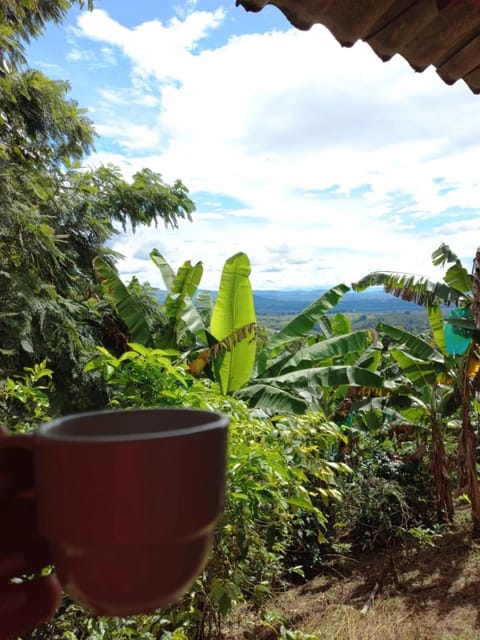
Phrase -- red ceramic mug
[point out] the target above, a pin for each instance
(128, 501)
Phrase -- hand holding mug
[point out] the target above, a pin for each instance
(128, 502)
(22, 550)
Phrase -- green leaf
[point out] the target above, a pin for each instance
(419, 371)
(302, 503)
(168, 274)
(179, 301)
(292, 392)
(340, 324)
(302, 324)
(437, 323)
(124, 304)
(234, 309)
(337, 347)
(458, 278)
(266, 395)
(416, 346)
(194, 321)
(370, 358)
(181, 287)
(443, 255)
(411, 287)
(330, 376)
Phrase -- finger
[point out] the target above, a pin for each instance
(24, 606)
(19, 523)
(17, 561)
(22, 549)
(16, 471)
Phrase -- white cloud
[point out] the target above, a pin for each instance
(128, 97)
(153, 48)
(131, 136)
(273, 119)
(104, 58)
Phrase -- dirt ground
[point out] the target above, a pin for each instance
(397, 594)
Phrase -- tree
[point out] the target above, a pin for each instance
(55, 216)
(312, 361)
(457, 288)
(224, 337)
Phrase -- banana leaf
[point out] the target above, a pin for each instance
(458, 278)
(340, 324)
(329, 376)
(168, 274)
(184, 285)
(417, 370)
(411, 287)
(435, 318)
(443, 255)
(181, 286)
(205, 304)
(337, 347)
(268, 396)
(179, 303)
(234, 308)
(370, 358)
(296, 391)
(301, 324)
(124, 304)
(416, 346)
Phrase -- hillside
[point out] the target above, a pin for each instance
(365, 310)
(290, 302)
(411, 592)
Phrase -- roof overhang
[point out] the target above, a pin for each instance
(442, 33)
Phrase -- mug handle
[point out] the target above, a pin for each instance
(16, 465)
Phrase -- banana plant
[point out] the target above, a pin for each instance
(455, 289)
(234, 315)
(229, 343)
(456, 337)
(430, 384)
(300, 368)
(124, 304)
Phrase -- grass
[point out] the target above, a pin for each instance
(421, 594)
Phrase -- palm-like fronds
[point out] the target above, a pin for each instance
(411, 287)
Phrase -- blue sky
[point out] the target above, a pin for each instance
(321, 163)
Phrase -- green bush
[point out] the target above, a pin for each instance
(383, 500)
(279, 482)
(24, 400)
(279, 478)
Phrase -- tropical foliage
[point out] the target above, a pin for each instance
(221, 333)
(57, 217)
(448, 376)
(340, 439)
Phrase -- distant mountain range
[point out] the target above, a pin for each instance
(288, 302)
(374, 300)
(292, 301)
(365, 309)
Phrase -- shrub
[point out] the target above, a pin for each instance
(279, 479)
(24, 400)
(383, 500)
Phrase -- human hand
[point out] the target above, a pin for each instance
(22, 552)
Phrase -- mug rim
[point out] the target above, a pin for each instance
(52, 430)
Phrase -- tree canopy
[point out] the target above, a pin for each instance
(57, 216)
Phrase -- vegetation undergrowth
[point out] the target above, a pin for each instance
(421, 591)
